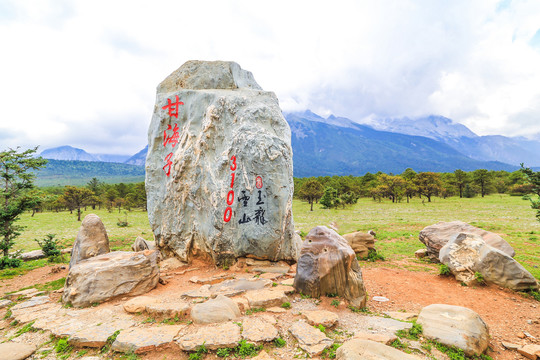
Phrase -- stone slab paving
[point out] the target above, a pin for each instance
(212, 336)
(321, 317)
(266, 298)
(96, 335)
(15, 351)
(310, 339)
(258, 329)
(403, 316)
(144, 339)
(168, 309)
(357, 323)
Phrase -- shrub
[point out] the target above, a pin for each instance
(286, 305)
(335, 303)
(444, 270)
(330, 352)
(49, 245)
(479, 278)
(9, 262)
(372, 256)
(245, 349)
(279, 342)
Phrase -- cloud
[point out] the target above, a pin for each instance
(84, 73)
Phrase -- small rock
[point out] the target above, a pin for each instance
(35, 301)
(212, 337)
(168, 309)
(23, 294)
(215, 310)
(321, 317)
(530, 351)
(92, 240)
(138, 304)
(310, 339)
(141, 244)
(288, 282)
(509, 345)
(170, 264)
(271, 269)
(257, 329)
(420, 253)
(33, 255)
(16, 351)
(521, 335)
(211, 280)
(263, 355)
(380, 299)
(255, 262)
(265, 298)
(5, 303)
(163, 281)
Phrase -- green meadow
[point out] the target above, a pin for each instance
(397, 225)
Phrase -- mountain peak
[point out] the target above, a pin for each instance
(67, 152)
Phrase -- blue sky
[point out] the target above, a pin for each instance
(84, 73)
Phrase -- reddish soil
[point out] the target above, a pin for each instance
(505, 312)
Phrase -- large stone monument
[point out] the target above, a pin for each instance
(219, 174)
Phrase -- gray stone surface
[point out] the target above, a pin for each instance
(358, 349)
(321, 317)
(437, 235)
(266, 298)
(226, 125)
(140, 340)
(106, 276)
(16, 351)
(92, 240)
(360, 242)
(213, 337)
(468, 254)
(5, 303)
(455, 326)
(33, 255)
(327, 265)
(96, 335)
(140, 244)
(310, 339)
(216, 310)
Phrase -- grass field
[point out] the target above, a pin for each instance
(397, 225)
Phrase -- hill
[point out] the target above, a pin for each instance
(75, 172)
(71, 153)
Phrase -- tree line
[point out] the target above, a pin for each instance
(339, 191)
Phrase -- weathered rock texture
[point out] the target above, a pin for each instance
(141, 244)
(359, 349)
(92, 240)
(232, 143)
(328, 265)
(436, 236)
(360, 242)
(455, 326)
(468, 254)
(216, 310)
(103, 277)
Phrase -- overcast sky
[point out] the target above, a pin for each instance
(84, 73)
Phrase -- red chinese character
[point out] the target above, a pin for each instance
(173, 139)
(173, 106)
(167, 167)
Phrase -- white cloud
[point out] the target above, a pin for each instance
(84, 73)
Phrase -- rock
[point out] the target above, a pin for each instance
(255, 262)
(92, 240)
(168, 309)
(212, 279)
(380, 338)
(33, 255)
(310, 339)
(288, 282)
(420, 253)
(140, 340)
(321, 317)
(380, 299)
(436, 236)
(272, 269)
(266, 298)
(530, 351)
(96, 335)
(140, 245)
(276, 310)
(109, 275)
(455, 326)
(212, 337)
(360, 242)
(5, 303)
(138, 304)
(219, 154)
(16, 351)
(510, 346)
(34, 301)
(358, 349)
(216, 310)
(327, 265)
(467, 254)
(170, 264)
(256, 329)
(403, 316)
(23, 294)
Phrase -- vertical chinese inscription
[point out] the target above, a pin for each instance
(230, 195)
(168, 137)
(254, 212)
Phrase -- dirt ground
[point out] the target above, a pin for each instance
(509, 316)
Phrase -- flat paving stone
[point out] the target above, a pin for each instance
(36, 300)
(212, 336)
(140, 340)
(321, 317)
(16, 351)
(168, 309)
(266, 298)
(96, 335)
(258, 329)
(310, 339)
